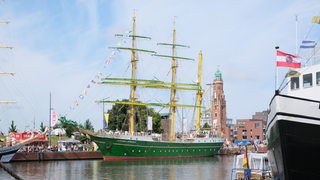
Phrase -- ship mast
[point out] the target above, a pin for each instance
(173, 78)
(3, 73)
(199, 92)
(133, 76)
(132, 82)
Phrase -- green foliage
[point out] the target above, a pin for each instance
(88, 125)
(206, 125)
(119, 118)
(54, 139)
(156, 123)
(13, 128)
(42, 127)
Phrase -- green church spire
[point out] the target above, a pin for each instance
(218, 75)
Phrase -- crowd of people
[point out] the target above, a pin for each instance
(59, 147)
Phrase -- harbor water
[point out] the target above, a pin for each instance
(218, 167)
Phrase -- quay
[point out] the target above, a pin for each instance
(54, 156)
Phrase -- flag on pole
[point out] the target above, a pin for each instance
(245, 159)
(53, 117)
(308, 44)
(316, 19)
(287, 60)
(106, 121)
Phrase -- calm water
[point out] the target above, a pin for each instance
(218, 167)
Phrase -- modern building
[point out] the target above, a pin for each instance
(230, 131)
(250, 129)
(261, 115)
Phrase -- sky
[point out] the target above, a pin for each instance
(61, 47)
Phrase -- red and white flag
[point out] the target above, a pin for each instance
(53, 117)
(287, 60)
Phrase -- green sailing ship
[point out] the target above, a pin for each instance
(130, 145)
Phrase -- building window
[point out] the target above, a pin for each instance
(256, 125)
(307, 80)
(244, 137)
(318, 78)
(295, 83)
(244, 132)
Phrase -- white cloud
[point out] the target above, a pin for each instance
(61, 46)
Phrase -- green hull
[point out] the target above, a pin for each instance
(125, 149)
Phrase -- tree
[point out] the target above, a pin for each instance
(88, 125)
(13, 128)
(119, 118)
(206, 125)
(42, 127)
(156, 123)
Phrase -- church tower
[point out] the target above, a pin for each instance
(218, 109)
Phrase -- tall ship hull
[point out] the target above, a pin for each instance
(129, 149)
(294, 137)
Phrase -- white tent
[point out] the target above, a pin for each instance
(58, 131)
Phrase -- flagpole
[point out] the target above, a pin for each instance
(314, 56)
(49, 121)
(296, 34)
(276, 74)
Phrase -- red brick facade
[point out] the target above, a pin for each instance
(218, 110)
(250, 129)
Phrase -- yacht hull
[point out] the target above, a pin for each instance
(293, 133)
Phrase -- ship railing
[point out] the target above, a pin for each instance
(126, 133)
(239, 173)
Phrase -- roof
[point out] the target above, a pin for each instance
(68, 141)
(218, 75)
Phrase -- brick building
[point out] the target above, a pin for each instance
(250, 129)
(218, 107)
